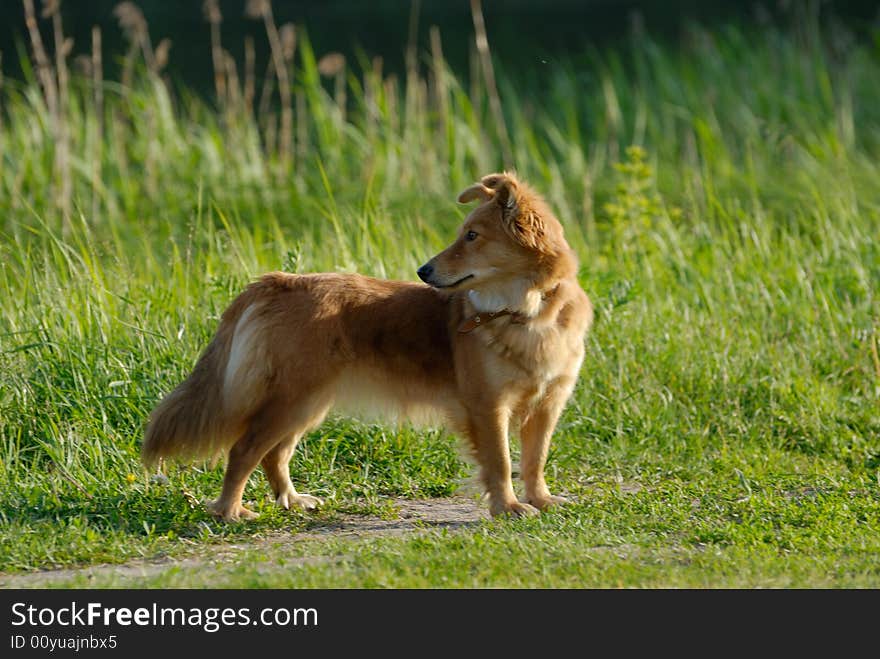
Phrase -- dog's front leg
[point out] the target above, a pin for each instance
(535, 434)
(488, 435)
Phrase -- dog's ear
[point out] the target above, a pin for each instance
(476, 191)
(500, 187)
(518, 217)
(503, 188)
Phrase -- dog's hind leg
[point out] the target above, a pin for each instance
(272, 425)
(244, 456)
(271, 437)
(276, 464)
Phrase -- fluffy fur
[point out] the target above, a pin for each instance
(291, 347)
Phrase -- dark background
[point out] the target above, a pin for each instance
(519, 30)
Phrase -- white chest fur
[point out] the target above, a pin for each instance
(514, 296)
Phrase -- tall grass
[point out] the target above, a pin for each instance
(732, 254)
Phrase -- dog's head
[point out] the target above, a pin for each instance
(510, 235)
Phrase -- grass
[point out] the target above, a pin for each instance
(725, 431)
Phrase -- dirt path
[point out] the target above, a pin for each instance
(414, 516)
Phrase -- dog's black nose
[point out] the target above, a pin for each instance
(425, 272)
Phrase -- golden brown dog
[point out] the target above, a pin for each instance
(494, 342)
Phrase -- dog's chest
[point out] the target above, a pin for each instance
(538, 354)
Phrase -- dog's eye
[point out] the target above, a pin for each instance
(470, 235)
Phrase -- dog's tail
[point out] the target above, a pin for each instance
(207, 412)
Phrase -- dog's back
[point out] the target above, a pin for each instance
(373, 347)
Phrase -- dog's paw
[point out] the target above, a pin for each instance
(513, 509)
(287, 500)
(230, 513)
(547, 501)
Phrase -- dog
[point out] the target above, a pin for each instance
(492, 341)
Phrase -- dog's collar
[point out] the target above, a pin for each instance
(481, 318)
(478, 319)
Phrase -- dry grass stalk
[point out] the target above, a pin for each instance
(474, 75)
(485, 55)
(440, 90)
(372, 93)
(82, 65)
(256, 8)
(212, 14)
(233, 88)
(332, 65)
(271, 132)
(411, 57)
(390, 88)
(50, 8)
(441, 96)
(131, 20)
(267, 89)
(49, 82)
(63, 47)
(287, 36)
(98, 99)
(116, 130)
(302, 126)
(128, 64)
(249, 74)
(412, 40)
(161, 56)
(44, 66)
(263, 9)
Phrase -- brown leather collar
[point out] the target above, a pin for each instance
(478, 319)
(481, 318)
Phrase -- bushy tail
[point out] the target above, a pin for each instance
(197, 419)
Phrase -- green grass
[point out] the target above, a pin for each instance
(731, 382)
